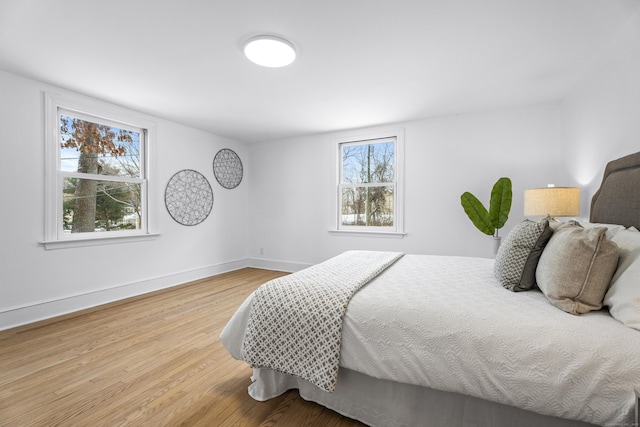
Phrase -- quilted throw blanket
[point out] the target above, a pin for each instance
(295, 323)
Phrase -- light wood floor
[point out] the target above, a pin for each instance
(153, 360)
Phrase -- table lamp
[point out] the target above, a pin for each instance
(552, 201)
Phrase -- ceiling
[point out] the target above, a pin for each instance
(360, 62)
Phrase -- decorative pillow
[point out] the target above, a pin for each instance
(517, 257)
(576, 267)
(623, 297)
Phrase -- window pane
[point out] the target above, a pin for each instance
(368, 163)
(367, 206)
(91, 205)
(99, 149)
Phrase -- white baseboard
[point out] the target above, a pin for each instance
(270, 264)
(41, 310)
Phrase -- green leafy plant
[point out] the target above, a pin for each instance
(489, 221)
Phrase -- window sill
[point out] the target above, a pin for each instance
(96, 241)
(387, 234)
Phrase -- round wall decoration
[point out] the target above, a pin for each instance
(188, 197)
(227, 168)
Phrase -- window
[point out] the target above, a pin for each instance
(369, 188)
(96, 173)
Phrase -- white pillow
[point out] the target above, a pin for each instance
(612, 229)
(623, 297)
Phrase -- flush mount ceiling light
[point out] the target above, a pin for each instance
(269, 51)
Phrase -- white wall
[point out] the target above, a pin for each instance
(292, 185)
(36, 283)
(567, 143)
(601, 116)
(284, 202)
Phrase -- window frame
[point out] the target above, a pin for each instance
(90, 109)
(397, 230)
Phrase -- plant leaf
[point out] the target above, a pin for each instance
(477, 213)
(500, 203)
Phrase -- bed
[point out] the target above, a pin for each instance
(439, 341)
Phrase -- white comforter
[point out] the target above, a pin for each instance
(446, 323)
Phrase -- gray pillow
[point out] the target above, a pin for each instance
(576, 267)
(518, 256)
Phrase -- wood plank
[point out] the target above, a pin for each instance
(155, 360)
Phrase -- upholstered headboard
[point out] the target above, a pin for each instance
(617, 201)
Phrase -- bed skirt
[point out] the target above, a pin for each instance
(384, 403)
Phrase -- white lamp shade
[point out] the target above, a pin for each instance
(553, 201)
(269, 51)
